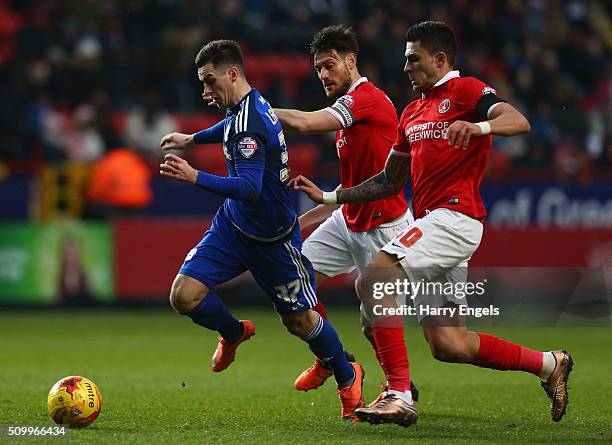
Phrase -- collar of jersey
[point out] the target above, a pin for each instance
(357, 83)
(448, 76)
(236, 108)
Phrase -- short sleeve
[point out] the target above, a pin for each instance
(353, 107)
(480, 96)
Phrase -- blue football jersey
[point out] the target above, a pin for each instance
(253, 134)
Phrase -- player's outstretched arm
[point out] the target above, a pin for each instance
(505, 120)
(388, 182)
(244, 187)
(307, 121)
(182, 141)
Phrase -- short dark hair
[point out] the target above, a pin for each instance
(220, 53)
(342, 38)
(434, 37)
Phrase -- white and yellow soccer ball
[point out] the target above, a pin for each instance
(74, 401)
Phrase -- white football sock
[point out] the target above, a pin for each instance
(405, 396)
(549, 362)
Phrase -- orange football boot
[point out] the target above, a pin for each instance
(351, 397)
(313, 377)
(226, 352)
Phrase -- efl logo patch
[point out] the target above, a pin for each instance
(488, 90)
(347, 100)
(247, 147)
(444, 106)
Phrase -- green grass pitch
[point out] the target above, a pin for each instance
(152, 368)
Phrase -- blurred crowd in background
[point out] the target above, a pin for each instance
(81, 77)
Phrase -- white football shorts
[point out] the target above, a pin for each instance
(334, 249)
(436, 249)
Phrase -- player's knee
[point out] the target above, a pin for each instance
(300, 325)
(296, 327)
(362, 286)
(183, 298)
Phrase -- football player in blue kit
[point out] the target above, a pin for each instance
(255, 229)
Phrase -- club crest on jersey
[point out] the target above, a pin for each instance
(347, 100)
(488, 90)
(444, 106)
(247, 147)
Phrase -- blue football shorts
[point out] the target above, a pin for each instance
(279, 267)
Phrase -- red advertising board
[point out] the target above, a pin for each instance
(532, 247)
(148, 253)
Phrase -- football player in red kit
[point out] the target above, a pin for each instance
(365, 122)
(443, 143)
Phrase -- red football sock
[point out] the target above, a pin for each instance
(320, 309)
(497, 353)
(391, 352)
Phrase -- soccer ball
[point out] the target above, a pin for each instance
(75, 401)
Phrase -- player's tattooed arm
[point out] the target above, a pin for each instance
(388, 182)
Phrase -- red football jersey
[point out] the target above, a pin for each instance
(442, 175)
(369, 119)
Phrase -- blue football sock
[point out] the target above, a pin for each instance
(212, 314)
(325, 344)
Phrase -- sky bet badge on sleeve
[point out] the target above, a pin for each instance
(347, 100)
(247, 146)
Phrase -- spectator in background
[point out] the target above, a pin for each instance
(74, 137)
(84, 144)
(147, 124)
(120, 185)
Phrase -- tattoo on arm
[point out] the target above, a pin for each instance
(387, 183)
